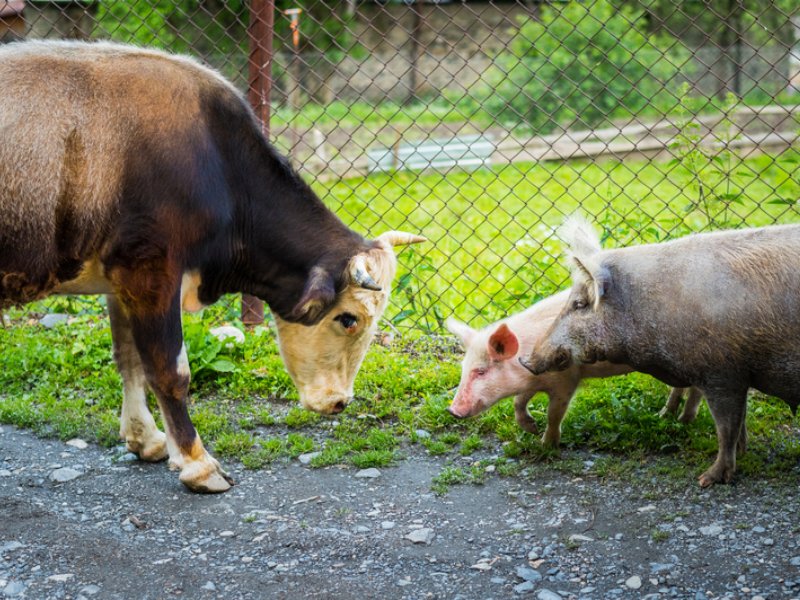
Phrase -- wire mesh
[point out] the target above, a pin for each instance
(482, 125)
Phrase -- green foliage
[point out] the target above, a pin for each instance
(208, 356)
(583, 62)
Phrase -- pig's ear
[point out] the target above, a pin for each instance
(461, 330)
(503, 344)
(602, 284)
(597, 280)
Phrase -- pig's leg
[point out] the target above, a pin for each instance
(728, 408)
(693, 401)
(673, 402)
(524, 419)
(741, 446)
(560, 397)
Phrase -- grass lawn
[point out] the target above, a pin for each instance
(491, 251)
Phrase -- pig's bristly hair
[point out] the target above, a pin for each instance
(581, 239)
(584, 246)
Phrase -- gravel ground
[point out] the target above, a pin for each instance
(92, 523)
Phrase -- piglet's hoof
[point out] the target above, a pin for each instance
(205, 476)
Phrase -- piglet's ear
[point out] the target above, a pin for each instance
(503, 344)
(318, 295)
(463, 331)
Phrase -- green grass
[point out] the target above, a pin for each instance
(496, 225)
(61, 382)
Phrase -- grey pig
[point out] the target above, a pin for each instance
(717, 311)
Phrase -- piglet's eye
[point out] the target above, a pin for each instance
(347, 320)
(480, 372)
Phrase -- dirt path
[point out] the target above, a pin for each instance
(123, 529)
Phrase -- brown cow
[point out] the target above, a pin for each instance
(145, 176)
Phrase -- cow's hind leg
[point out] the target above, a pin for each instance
(137, 426)
(158, 337)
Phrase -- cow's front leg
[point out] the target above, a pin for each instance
(137, 426)
(159, 340)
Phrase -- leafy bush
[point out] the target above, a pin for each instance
(584, 63)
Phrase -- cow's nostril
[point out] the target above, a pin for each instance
(339, 406)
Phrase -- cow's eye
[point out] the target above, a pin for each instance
(347, 320)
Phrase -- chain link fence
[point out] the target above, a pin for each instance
(482, 124)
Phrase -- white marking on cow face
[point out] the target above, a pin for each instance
(183, 363)
(323, 359)
(189, 287)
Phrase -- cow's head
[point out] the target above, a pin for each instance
(323, 358)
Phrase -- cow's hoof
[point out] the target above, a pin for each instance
(205, 476)
(153, 450)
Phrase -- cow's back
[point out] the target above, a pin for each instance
(82, 127)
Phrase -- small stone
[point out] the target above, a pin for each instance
(77, 443)
(90, 590)
(758, 529)
(547, 595)
(482, 565)
(657, 568)
(229, 334)
(61, 578)
(64, 474)
(524, 587)
(422, 434)
(15, 588)
(308, 457)
(5, 473)
(647, 508)
(404, 581)
(490, 469)
(711, 530)
(209, 585)
(10, 546)
(498, 580)
(386, 525)
(370, 473)
(361, 529)
(577, 538)
(420, 536)
(634, 582)
(768, 542)
(226, 534)
(53, 319)
(529, 574)
(795, 561)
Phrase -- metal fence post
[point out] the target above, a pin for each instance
(260, 30)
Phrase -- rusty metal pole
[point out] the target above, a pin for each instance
(262, 20)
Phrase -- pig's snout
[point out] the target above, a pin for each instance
(455, 412)
(558, 360)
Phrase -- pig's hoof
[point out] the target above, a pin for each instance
(526, 423)
(666, 412)
(551, 441)
(715, 475)
(205, 476)
(686, 418)
(152, 450)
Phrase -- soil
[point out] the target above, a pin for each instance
(119, 528)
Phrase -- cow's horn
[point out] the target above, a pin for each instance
(358, 272)
(400, 238)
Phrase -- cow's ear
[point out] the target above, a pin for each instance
(461, 330)
(503, 344)
(318, 295)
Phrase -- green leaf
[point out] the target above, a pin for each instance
(222, 366)
(402, 316)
